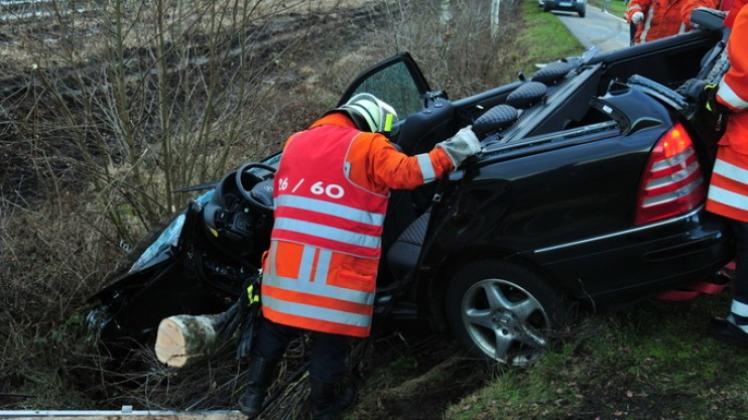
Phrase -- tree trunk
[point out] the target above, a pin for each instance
(495, 17)
(183, 339)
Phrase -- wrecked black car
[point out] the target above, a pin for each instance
(590, 189)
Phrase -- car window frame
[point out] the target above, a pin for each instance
(415, 72)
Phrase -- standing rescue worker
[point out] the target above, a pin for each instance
(728, 190)
(330, 193)
(657, 19)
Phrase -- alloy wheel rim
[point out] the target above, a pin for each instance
(504, 321)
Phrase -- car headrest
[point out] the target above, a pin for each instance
(527, 95)
(495, 119)
(552, 73)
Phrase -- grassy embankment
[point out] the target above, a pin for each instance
(650, 360)
(543, 38)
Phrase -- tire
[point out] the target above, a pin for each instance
(582, 12)
(547, 7)
(496, 332)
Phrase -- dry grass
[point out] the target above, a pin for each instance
(51, 258)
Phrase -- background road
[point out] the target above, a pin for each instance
(597, 29)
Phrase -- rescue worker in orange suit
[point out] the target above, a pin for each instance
(330, 194)
(657, 19)
(728, 189)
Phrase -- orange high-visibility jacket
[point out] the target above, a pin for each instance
(663, 18)
(728, 189)
(331, 192)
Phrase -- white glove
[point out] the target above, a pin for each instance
(461, 146)
(637, 17)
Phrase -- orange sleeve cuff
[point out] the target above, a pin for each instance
(441, 161)
(391, 169)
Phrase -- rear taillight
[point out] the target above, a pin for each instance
(672, 183)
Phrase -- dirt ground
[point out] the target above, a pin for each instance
(65, 25)
(415, 374)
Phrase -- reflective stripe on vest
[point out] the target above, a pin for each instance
(327, 232)
(728, 170)
(333, 209)
(739, 308)
(723, 195)
(316, 312)
(728, 197)
(728, 188)
(728, 95)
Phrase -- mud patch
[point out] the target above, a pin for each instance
(413, 375)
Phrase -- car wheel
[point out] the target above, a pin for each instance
(547, 7)
(502, 311)
(582, 12)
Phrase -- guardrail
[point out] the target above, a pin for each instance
(125, 411)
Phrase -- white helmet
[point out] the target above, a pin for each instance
(369, 113)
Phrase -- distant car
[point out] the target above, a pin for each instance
(579, 6)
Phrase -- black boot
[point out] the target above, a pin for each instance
(260, 373)
(727, 332)
(330, 399)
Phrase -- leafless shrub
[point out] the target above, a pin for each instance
(49, 259)
(163, 95)
(450, 39)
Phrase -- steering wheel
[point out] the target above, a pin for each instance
(247, 193)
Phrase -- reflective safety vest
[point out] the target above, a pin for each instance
(728, 190)
(323, 223)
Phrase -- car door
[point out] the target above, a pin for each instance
(396, 80)
(399, 82)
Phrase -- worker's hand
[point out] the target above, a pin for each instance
(637, 17)
(711, 103)
(694, 89)
(253, 293)
(461, 146)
